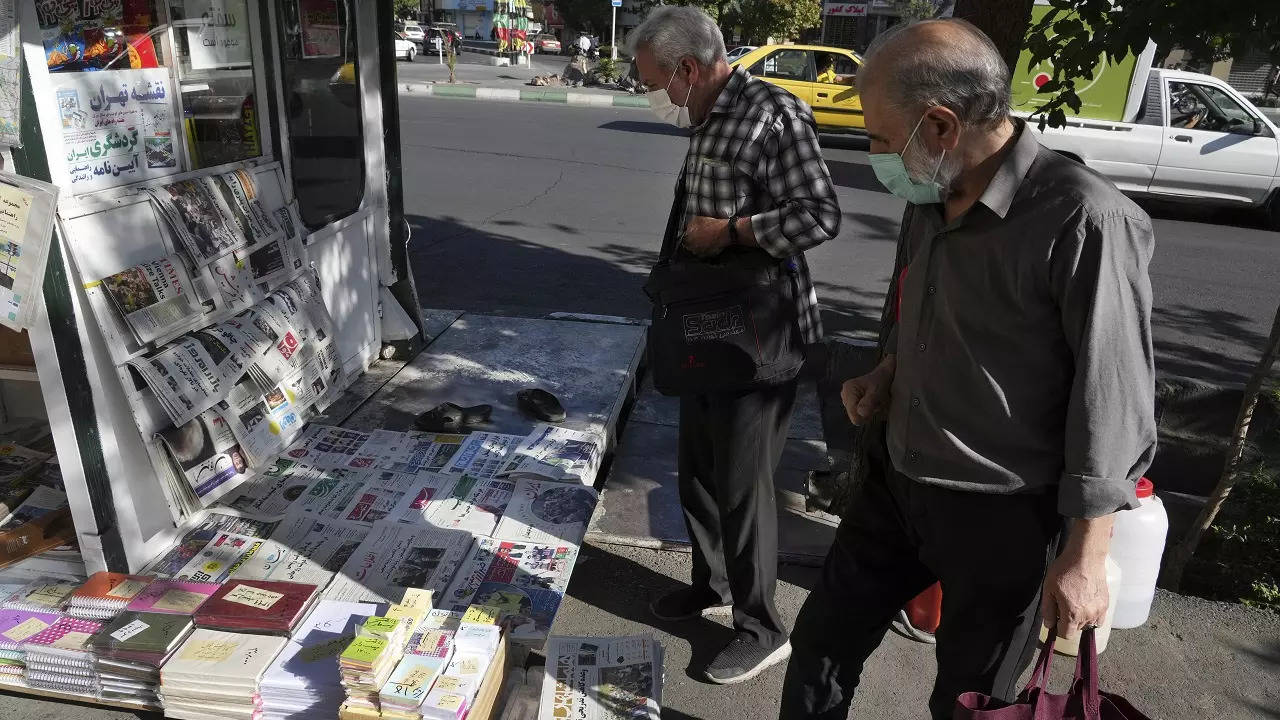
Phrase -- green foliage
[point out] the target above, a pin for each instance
(760, 20)
(1237, 560)
(911, 10)
(406, 8)
(1075, 33)
(607, 69)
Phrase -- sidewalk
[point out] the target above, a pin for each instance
(473, 80)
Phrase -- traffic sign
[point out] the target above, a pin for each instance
(617, 3)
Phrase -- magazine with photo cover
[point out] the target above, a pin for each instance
(484, 454)
(239, 192)
(306, 550)
(547, 513)
(218, 559)
(271, 493)
(196, 539)
(556, 453)
(395, 557)
(205, 453)
(475, 505)
(198, 217)
(155, 298)
(602, 678)
(524, 565)
(423, 497)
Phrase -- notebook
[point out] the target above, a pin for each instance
(43, 595)
(225, 661)
(66, 638)
(180, 597)
(17, 626)
(146, 638)
(105, 594)
(408, 686)
(269, 606)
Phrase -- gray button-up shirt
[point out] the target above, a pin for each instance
(1023, 342)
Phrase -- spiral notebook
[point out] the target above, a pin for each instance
(16, 626)
(105, 594)
(178, 597)
(64, 642)
(43, 595)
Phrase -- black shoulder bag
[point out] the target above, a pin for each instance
(724, 324)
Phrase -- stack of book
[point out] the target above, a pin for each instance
(129, 651)
(59, 657)
(15, 627)
(216, 674)
(265, 606)
(304, 681)
(369, 660)
(426, 656)
(43, 595)
(177, 597)
(105, 594)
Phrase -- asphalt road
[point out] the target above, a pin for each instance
(529, 208)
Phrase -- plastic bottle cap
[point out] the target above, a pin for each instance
(1145, 488)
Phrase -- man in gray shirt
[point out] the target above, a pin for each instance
(1018, 382)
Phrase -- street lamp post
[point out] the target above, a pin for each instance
(613, 30)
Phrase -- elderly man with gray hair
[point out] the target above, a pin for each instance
(1017, 381)
(753, 184)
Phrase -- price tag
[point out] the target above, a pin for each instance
(72, 641)
(253, 597)
(127, 589)
(451, 684)
(25, 629)
(129, 630)
(449, 701)
(47, 595)
(417, 598)
(326, 649)
(209, 650)
(180, 601)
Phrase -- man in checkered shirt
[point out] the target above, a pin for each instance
(754, 176)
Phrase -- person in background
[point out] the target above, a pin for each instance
(754, 178)
(1018, 382)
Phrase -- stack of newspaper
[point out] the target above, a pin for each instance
(596, 678)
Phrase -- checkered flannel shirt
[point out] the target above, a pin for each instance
(756, 155)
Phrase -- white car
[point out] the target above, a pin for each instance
(739, 51)
(412, 32)
(405, 49)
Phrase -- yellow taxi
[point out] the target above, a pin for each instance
(821, 76)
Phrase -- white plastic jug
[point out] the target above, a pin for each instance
(1071, 646)
(1137, 544)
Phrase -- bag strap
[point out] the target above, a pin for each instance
(1086, 681)
(671, 238)
(1040, 675)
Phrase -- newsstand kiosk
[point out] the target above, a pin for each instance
(211, 157)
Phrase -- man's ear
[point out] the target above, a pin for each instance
(689, 69)
(941, 128)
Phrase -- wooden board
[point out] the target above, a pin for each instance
(9, 687)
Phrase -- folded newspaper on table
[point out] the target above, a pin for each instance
(484, 454)
(396, 556)
(602, 678)
(155, 298)
(547, 513)
(305, 550)
(556, 453)
(474, 504)
(424, 497)
(271, 493)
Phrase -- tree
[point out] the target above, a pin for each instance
(406, 8)
(583, 15)
(1004, 21)
(912, 10)
(760, 20)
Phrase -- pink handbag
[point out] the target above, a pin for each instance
(1083, 702)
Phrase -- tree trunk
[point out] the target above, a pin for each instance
(1182, 554)
(1004, 21)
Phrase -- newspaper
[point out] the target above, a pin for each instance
(331, 494)
(383, 492)
(193, 373)
(547, 513)
(198, 218)
(42, 501)
(198, 538)
(272, 492)
(426, 452)
(18, 462)
(474, 505)
(483, 454)
(378, 448)
(205, 454)
(216, 560)
(305, 550)
(239, 193)
(328, 447)
(396, 556)
(556, 453)
(155, 298)
(526, 581)
(602, 678)
(27, 209)
(262, 423)
(425, 494)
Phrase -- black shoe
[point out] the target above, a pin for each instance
(686, 604)
(743, 658)
(540, 404)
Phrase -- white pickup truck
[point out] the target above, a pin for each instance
(1191, 138)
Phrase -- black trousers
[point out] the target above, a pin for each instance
(989, 551)
(730, 445)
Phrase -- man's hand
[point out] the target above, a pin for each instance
(865, 396)
(1075, 588)
(706, 237)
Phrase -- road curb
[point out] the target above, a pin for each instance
(561, 97)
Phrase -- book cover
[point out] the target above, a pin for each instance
(16, 626)
(226, 659)
(412, 680)
(43, 595)
(547, 513)
(108, 589)
(66, 634)
(180, 597)
(142, 633)
(256, 605)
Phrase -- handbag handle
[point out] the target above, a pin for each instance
(1037, 685)
(1086, 681)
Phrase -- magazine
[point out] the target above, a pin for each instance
(19, 463)
(305, 550)
(556, 453)
(547, 513)
(483, 454)
(218, 559)
(155, 298)
(474, 505)
(396, 556)
(198, 218)
(205, 454)
(42, 501)
(239, 193)
(602, 678)
(200, 536)
(425, 493)
(524, 565)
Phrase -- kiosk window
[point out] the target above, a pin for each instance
(322, 103)
(213, 53)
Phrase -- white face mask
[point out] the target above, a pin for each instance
(667, 111)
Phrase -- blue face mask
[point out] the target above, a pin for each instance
(891, 171)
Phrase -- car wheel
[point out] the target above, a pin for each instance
(411, 54)
(1273, 211)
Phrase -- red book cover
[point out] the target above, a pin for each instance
(264, 606)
